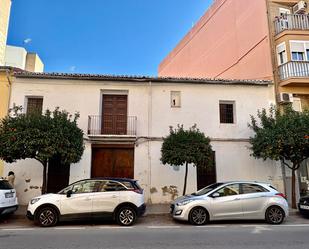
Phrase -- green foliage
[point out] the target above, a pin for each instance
(41, 136)
(281, 135)
(186, 146)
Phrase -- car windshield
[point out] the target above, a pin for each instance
(207, 189)
(5, 185)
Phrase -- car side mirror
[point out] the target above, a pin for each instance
(215, 195)
(69, 193)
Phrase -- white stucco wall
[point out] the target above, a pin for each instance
(15, 57)
(150, 103)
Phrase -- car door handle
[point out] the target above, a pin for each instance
(237, 199)
(87, 199)
(114, 196)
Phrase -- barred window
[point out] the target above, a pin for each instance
(227, 112)
(34, 105)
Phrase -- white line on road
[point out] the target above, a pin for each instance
(69, 228)
(17, 229)
(115, 227)
(162, 227)
(210, 226)
(295, 225)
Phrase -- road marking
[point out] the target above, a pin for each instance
(259, 229)
(17, 229)
(210, 226)
(115, 227)
(294, 225)
(162, 227)
(69, 228)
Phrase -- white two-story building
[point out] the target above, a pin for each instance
(125, 118)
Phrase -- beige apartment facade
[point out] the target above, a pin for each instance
(256, 39)
(5, 8)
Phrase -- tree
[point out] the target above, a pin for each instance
(281, 135)
(183, 147)
(41, 137)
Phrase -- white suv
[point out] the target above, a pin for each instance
(117, 198)
(8, 199)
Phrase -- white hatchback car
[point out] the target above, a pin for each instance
(230, 201)
(8, 199)
(117, 198)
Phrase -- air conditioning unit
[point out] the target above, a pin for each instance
(285, 98)
(300, 7)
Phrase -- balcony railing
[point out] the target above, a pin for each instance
(294, 69)
(112, 125)
(291, 22)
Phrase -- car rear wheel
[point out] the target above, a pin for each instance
(198, 216)
(274, 215)
(126, 216)
(46, 217)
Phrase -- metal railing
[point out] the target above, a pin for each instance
(112, 125)
(293, 21)
(292, 69)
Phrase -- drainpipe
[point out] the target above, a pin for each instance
(149, 135)
(10, 86)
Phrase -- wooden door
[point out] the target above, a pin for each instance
(58, 175)
(206, 174)
(112, 162)
(114, 114)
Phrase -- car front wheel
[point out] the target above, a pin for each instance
(126, 216)
(198, 216)
(46, 217)
(274, 215)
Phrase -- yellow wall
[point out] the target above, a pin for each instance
(4, 100)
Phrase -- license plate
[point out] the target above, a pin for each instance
(9, 195)
(304, 207)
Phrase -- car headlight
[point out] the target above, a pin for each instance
(34, 200)
(182, 203)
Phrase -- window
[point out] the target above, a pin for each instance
(86, 187)
(252, 188)
(281, 53)
(111, 186)
(229, 190)
(34, 105)
(227, 112)
(297, 56)
(175, 99)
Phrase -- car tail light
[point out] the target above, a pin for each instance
(139, 191)
(282, 195)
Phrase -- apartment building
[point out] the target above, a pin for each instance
(250, 39)
(5, 8)
(125, 118)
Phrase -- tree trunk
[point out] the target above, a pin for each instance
(185, 184)
(293, 189)
(44, 184)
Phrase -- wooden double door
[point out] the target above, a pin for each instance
(113, 161)
(114, 114)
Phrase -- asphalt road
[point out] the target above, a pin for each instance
(236, 236)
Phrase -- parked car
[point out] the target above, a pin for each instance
(116, 198)
(230, 201)
(303, 205)
(8, 199)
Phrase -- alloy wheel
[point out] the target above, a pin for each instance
(126, 216)
(198, 216)
(275, 215)
(47, 217)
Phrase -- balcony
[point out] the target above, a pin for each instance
(294, 73)
(291, 22)
(117, 125)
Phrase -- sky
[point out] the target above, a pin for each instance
(119, 37)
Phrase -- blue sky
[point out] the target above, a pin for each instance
(102, 36)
